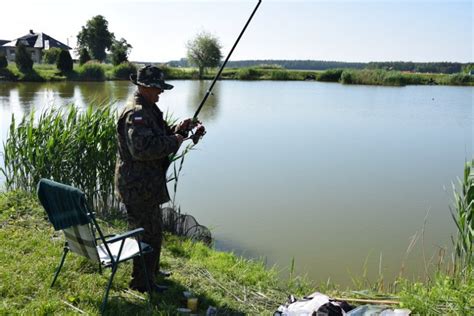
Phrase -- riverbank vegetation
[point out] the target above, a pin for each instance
(95, 71)
(78, 148)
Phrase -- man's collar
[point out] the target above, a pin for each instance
(141, 100)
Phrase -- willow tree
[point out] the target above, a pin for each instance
(204, 51)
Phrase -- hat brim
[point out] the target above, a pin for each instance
(163, 86)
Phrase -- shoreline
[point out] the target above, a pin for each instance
(95, 72)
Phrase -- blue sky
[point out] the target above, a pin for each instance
(364, 31)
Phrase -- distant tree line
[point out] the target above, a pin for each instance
(432, 67)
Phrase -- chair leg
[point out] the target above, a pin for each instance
(106, 294)
(60, 265)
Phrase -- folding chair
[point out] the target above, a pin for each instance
(67, 210)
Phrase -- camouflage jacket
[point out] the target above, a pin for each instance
(144, 143)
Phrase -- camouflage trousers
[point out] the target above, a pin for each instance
(149, 217)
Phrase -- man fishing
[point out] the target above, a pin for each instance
(145, 142)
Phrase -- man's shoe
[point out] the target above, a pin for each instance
(155, 288)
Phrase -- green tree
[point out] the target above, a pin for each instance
(64, 62)
(120, 51)
(84, 56)
(23, 59)
(50, 56)
(3, 62)
(204, 51)
(96, 37)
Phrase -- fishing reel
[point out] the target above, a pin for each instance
(197, 134)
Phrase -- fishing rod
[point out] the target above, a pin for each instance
(195, 119)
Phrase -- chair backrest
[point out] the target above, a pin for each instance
(66, 206)
(81, 241)
(67, 210)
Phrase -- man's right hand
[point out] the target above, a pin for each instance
(184, 127)
(180, 139)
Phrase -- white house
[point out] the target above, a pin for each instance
(35, 43)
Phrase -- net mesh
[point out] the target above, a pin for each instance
(185, 225)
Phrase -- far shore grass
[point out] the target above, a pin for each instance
(100, 72)
(31, 251)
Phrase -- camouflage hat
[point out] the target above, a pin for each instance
(151, 77)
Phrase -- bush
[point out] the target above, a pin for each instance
(123, 71)
(331, 75)
(459, 79)
(374, 77)
(247, 74)
(347, 77)
(23, 59)
(64, 62)
(394, 78)
(279, 75)
(50, 56)
(3, 62)
(84, 56)
(92, 70)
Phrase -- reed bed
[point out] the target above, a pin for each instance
(66, 145)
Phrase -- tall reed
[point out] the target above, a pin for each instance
(72, 147)
(68, 146)
(463, 215)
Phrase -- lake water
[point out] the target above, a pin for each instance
(339, 177)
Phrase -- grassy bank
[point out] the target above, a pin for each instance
(100, 72)
(91, 71)
(31, 250)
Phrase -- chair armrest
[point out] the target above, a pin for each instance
(131, 233)
(106, 236)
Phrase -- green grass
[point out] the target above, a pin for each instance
(31, 251)
(39, 73)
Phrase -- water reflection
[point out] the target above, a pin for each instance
(95, 92)
(64, 89)
(210, 110)
(122, 90)
(5, 89)
(27, 92)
